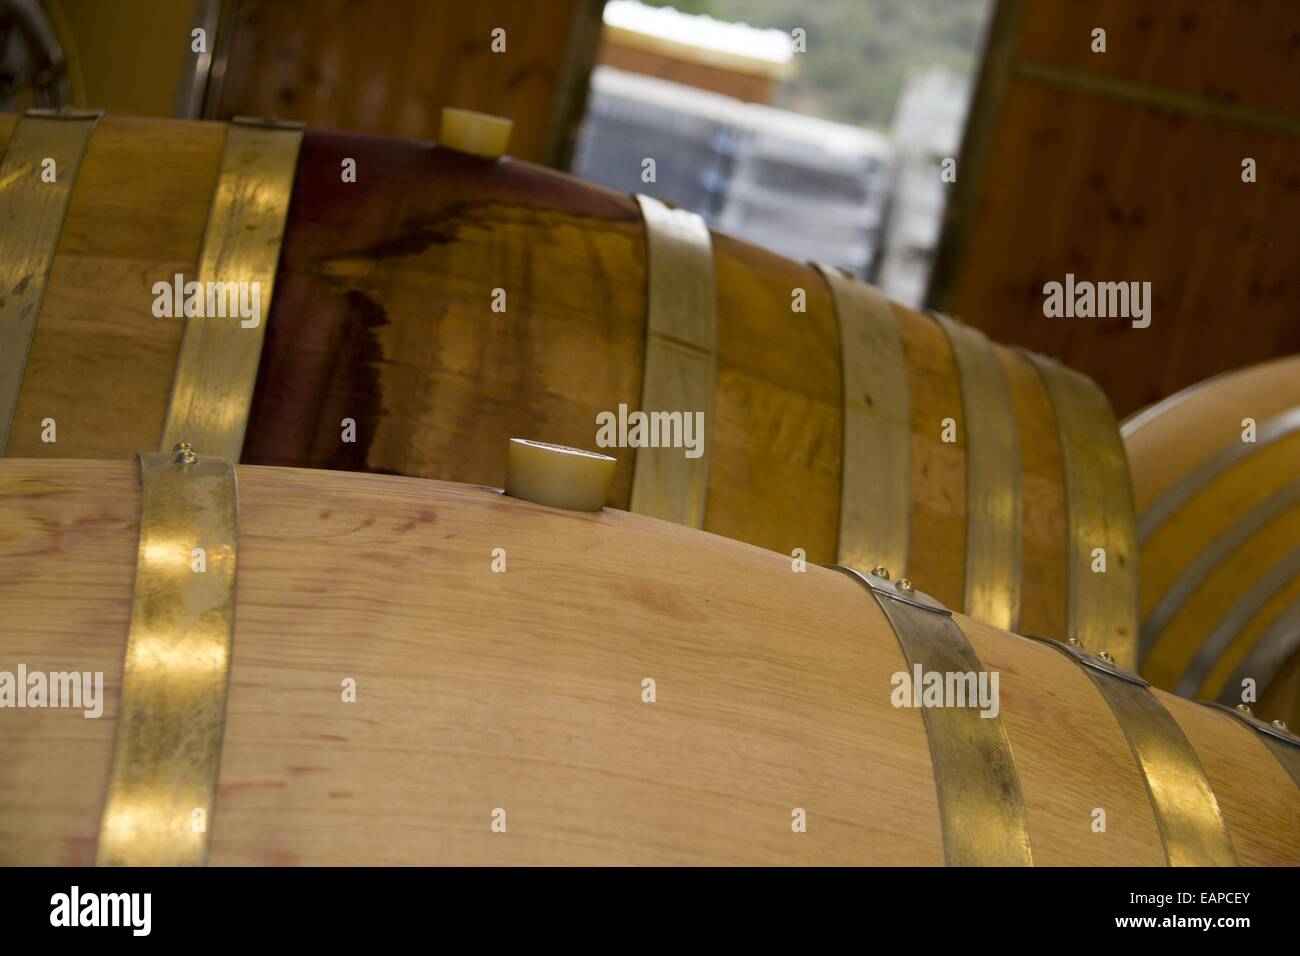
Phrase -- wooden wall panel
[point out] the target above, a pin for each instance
(389, 66)
(1193, 46)
(1127, 166)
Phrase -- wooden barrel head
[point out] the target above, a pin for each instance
(1216, 471)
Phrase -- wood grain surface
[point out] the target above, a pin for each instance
(522, 691)
(390, 66)
(382, 316)
(101, 364)
(1166, 445)
(1126, 166)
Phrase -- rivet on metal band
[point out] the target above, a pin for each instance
(1284, 745)
(32, 209)
(981, 805)
(993, 494)
(876, 475)
(1102, 607)
(680, 360)
(217, 366)
(167, 748)
(1187, 812)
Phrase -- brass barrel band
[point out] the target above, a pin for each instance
(993, 494)
(167, 744)
(981, 806)
(1265, 656)
(1173, 498)
(680, 371)
(1276, 646)
(212, 390)
(1102, 607)
(1186, 810)
(876, 474)
(37, 175)
(1195, 574)
(1145, 416)
(1283, 744)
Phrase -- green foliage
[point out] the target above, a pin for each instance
(859, 51)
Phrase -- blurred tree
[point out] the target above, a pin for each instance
(858, 50)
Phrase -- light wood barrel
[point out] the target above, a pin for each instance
(1002, 483)
(1216, 475)
(519, 695)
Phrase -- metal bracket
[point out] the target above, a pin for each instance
(1079, 653)
(900, 590)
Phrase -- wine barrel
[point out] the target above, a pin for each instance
(1216, 474)
(835, 422)
(425, 672)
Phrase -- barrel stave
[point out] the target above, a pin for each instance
(1260, 802)
(523, 690)
(1219, 518)
(383, 353)
(101, 363)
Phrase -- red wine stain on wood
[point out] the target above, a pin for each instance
(342, 296)
(425, 516)
(417, 240)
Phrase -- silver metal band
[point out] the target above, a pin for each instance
(1276, 646)
(1231, 624)
(1283, 744)
(1102, 606)
(981, 806)
(680, 360)
(876, 475)
(1186, 810)
(1199, 478)
(1195, 574)
(993, 494)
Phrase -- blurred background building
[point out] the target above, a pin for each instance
(926, 131)
(806, 188)
(703, 97)
(790, 151)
